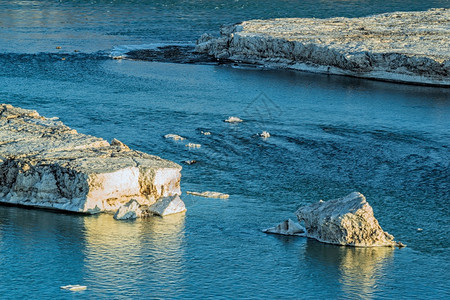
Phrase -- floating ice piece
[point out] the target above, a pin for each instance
(287, 227)
(264, 134)
(174, 137)
(233, 120)
(205, 132)
(74, 288)
(190, 162)
(167, 206)
(209, 194)
(192, 145)
(128, 211)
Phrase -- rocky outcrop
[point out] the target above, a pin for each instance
(287, 227)
(44, 163)
(402, 46)
(345, 221)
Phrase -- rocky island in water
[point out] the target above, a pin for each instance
(44, 163)
(411, 47)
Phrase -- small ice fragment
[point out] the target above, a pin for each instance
(419, 229)
(265, 135)
(174, 137)
(233, 120)
(287, 227)
(74, 288)
(209, 194)
(192, 145)
(190, 162)
(206, 132)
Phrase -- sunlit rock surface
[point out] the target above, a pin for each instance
(44, 163)
(287, 227)
(344, 221)
(402, 46)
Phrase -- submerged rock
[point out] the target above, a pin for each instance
(167, 206)
(44, 163)
(287, 227)
(400, 46)
(209, 194)
(344, 221)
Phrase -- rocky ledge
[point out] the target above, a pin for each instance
(44, 163)
(410, 47)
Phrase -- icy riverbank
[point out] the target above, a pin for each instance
(410, 47)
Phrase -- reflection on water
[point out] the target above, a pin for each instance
(359, 268)
(121, 256)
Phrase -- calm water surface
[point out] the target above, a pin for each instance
(330, 136)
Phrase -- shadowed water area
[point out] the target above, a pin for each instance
(330, 136)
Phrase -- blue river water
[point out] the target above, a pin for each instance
(330, 135)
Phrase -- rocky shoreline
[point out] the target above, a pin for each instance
(408, 47)
(44, 163)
